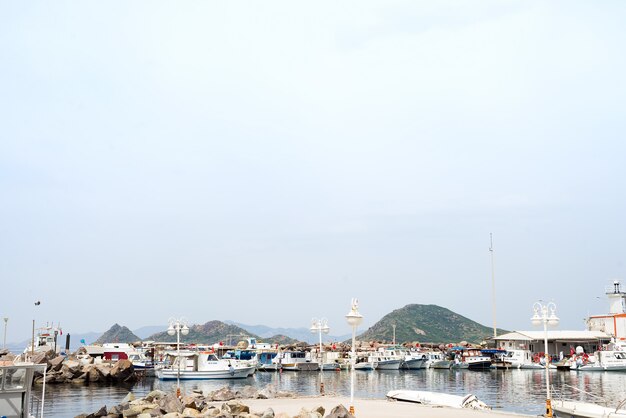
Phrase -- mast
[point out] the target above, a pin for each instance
(493, 285)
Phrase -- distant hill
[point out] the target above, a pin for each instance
(297, 334)
(280, 339)
(118, 334)
(427, 323)
(149, 330)
(209, 333)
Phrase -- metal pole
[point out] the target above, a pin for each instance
(178, 358)
(352, 356)
(493, 286)
(4, 344)
(545, 341)
(32, 344)
(319, 328)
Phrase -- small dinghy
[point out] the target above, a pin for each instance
(437, 399)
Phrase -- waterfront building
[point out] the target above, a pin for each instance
(613, 323)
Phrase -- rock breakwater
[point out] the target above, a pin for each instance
(222, 403)
(62, 369)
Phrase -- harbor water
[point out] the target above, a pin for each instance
(521, 391)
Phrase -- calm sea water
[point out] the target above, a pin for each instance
(521, 391)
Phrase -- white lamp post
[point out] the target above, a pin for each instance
(354, 319)
(177, 326)
(319, 326)
(546, 314)
(4, 344)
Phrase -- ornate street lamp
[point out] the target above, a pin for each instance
(545, 314)
(177, 326)
(319, 326)
(354, 319)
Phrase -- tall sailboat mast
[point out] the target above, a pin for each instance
(493, 285)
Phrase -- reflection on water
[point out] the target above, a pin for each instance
(521, 391)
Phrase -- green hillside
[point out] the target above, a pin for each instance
(427, 324)
(210, 333)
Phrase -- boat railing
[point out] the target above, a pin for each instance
(597, 399)
(34, 409)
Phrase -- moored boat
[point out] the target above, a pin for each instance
(203, 365)
(295, 361)
(470, 358)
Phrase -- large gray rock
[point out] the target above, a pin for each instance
(102, 412)
(170, 403)
(235, 408)
(122, 370)
(193, 401)
(223, 394)
(72, 367)
(339, 411)
(191, 413)
(155, 395)
(308, 414)
(268, 392)
(94, 375)
(268, 413)
(133, 411)
(104, 369)
(56, 363)
(247, 392)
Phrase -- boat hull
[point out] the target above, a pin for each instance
(240, 373)
(388, 365)
(575, 409)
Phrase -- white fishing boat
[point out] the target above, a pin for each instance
(471, 358)
(364, 363)
(437, 360)
(202, 365)
(438, 399)
(601, 361)
(45, 340)
(386, 358)
(412, 359)
(295, 361)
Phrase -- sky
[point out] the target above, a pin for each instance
(266, 162)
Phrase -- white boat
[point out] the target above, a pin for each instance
(203, 365)
(438, 399)
(412, 359)
(601, 361)
(47, 339)
(294, 361)
(364, 363)
(386, 359)
(437, 360)
(471, 358)
(577, 409)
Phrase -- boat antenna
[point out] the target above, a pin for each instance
(493, 285)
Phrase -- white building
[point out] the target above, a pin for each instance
(613, 323)
(560, 343)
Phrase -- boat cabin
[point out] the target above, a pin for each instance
(16, 382)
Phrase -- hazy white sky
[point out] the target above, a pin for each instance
(265, 162)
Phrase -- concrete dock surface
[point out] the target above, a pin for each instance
(371, 408)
